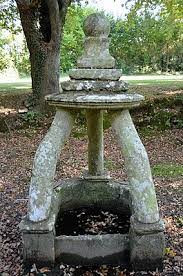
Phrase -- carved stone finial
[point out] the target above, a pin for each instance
(96, 25)
(96, 47)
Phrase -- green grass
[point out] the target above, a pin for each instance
(20, 86)
(15, 87)
(147, 131)
(168, 170)
(161, 170)
(162, 83)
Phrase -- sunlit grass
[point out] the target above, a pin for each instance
(163, 83)
(168, 170)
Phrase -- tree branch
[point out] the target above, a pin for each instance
(23, 3)
(54, 15)
(57, 14)
(28, 20)
(63, 5)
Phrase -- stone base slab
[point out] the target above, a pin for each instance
(147, 251)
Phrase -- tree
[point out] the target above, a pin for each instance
(149, 38)
(172, 7)
(42, 22)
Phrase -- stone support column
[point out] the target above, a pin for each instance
(95, 142)
(44, 166)
(144, 203)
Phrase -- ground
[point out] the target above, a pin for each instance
(18, 147)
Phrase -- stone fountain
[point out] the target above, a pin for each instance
(95, 87)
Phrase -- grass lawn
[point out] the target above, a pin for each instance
(168, 170)
(163, 83)
(21, 86)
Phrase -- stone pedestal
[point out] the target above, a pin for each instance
(39, 247)
(147, 245)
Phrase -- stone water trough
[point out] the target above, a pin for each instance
(95, 87)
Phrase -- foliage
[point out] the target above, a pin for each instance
(32, 117)
(143, 43)
(4, 57)
(174, 8)
(21, 59)
(146, 43)
(9, 18)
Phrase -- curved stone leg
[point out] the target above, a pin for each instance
(144, 203)
(44, 166)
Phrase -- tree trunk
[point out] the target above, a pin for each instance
(45, 65)
(42, 22)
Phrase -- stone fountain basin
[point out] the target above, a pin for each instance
(94, 100)
(93, 249)
(83, 249)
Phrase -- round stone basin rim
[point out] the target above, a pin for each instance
(83, 100)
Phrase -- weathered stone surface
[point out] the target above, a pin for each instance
(44, 226)
(95, 74)
(95, 101)
(43, 172)
(40, 243)
(96, 47)
(96, 178)
(95, 142)
(144, 203)
(147, 245)
(38, 248)
(96, 86)
(96, 54)
(147, 251)
(76, 193)
(88, 250)
(96, 25)
(146, 228)
(93, 62)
